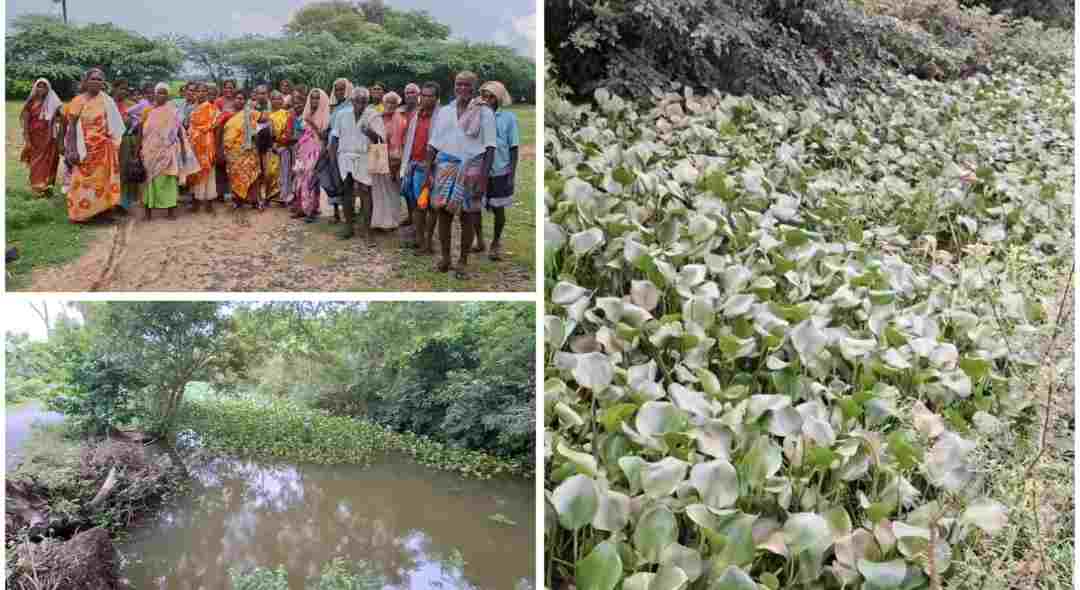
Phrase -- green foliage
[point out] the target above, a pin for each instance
(783, 334)
(259, 579)
(341, 19)
(459, 373)
(43, 46)
(1058, 13)
(282, 429)
(318, 58)
(99, 395)
(336, 575)
(51, 459)
(163, 346)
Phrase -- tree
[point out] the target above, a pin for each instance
(342, 19)
(42, 311)
(414, 24)
(165, 345)
(44, 46)
(209, 55)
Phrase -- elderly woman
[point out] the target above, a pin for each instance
(389, 126)
(204, 144)
(241, 155)
(461, 150)
(500, 185)
(279, 119)
(414, 165)
(166, 153)
(92, 149)
(285, 145)
(316, 121)
(42, 131)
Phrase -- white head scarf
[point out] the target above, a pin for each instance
(321, 117)
(161, 85)
(52, 101)
(348, 92)
(499, 91)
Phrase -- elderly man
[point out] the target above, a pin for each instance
(461, 151)
(350, 137)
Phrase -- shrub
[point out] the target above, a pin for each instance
(1031, 42)
(955, 26)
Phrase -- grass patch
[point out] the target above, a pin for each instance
(39, 228)
(51, 458)
(281, 429)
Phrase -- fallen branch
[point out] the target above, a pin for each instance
(105, 491)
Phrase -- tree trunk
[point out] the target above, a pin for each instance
(105, 491)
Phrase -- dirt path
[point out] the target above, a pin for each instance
(248, 251)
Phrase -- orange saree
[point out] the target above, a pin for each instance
(95, 181)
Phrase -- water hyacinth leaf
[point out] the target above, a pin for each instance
(585, 463)
(669, 577)
(807, 531)
(632, 467)
(738, 534)
(717, 482)
(594, 371)
(575, 501)
(926, 422)
(567, 415)
(655, 531)
(583, 242)
(566, 293)
(762, 461)
(958, 382)
(639, 581)
(839, 522)
(733, 578)
(808, 341)
(601, 569)
(989, 515)
(883, 575)
(644, 294)
(686, 559)
(613, 416)
(659, 418)
(946, 464)
(661, 478)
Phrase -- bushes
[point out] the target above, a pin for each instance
(283, 429)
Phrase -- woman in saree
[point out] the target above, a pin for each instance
(228, 89)
(279, 119)
(42, 131)
(461, 148)
(92, 150)
(386, 188)
(166, 153)
(316, 121)
(241, 156)
(204, 144)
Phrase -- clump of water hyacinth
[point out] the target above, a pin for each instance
(781, 333)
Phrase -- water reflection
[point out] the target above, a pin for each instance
(421, 528)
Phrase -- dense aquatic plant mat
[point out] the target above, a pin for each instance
(781, 334)
(286, 430)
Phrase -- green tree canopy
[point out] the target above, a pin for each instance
(43, 46)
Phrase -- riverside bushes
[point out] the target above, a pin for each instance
(282, 429)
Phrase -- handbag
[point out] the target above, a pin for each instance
(378, 159)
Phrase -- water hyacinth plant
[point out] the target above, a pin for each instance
(779, 332)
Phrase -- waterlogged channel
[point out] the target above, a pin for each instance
(418, 528)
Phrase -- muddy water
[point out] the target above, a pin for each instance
(417, 528)
(19, 423)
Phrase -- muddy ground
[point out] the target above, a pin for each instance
(247, 250)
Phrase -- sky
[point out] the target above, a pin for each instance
(508, 22)
(19, 318)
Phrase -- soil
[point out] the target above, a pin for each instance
(87, 561)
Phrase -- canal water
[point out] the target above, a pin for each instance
(409, 526)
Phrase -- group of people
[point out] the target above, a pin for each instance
(358, 150)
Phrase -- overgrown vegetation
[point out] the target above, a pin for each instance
(335, 575)
(444, 382)
(324, 41)
(787, 339)
(287, 430)
(776, 47)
